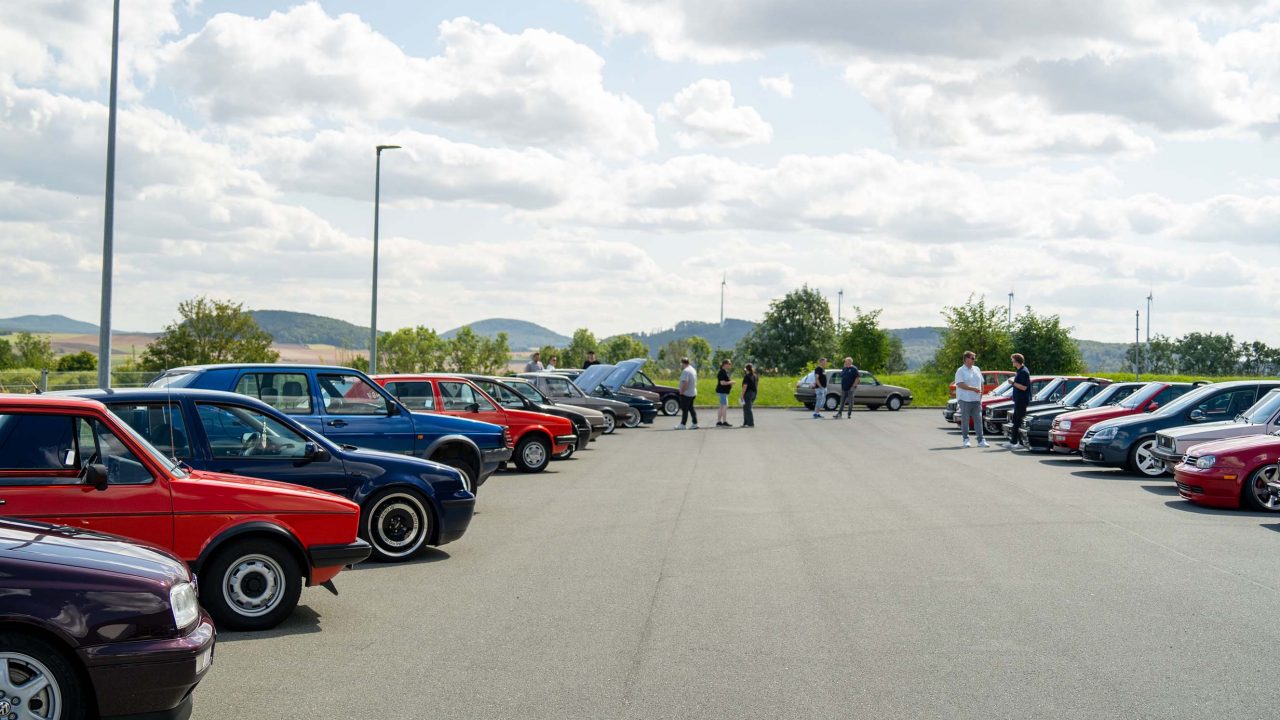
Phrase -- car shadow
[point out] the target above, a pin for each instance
(424, 557)
(1061, 462)
(1189, 507)
(1107, 475)
(1272, 526)
(952, 447)
(1165, 490)
(303, 620)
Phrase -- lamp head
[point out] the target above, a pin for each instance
(380, 148)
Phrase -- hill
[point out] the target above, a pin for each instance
(921, 343)
(45, 324)
(521, 334)
(918, 344)
(288, 327)
(720, 336)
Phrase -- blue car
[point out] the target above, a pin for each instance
(350, 409)
(405, 503)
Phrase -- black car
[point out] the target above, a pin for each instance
(94, 625)
(1044, 391)
(1130, 441)
(1036, 425)
(508, 397)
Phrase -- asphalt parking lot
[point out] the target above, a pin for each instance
(805, 568)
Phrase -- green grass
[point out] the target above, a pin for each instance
(926, 390)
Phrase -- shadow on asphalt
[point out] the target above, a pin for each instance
(1165, 490)
(1107, 475)
(301, 621)
(1060, 462)
(426, 556)
(953, 447)
(1271, 526)
(1190, 507)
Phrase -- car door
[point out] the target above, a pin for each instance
(357, 412)
(42, 461)
(245, 441)
(289, 391)
(869, 391)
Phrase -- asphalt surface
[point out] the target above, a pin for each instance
(802, 569)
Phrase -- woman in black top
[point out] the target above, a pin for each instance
(724, 384)
(750, 384)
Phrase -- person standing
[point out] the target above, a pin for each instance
(534, 364)
(819, 387)
(591, 360)
(551, 363)
(849, 379)
(688, 391)
(1021, 396)
(969, 398)
(724, 385)
(750, 386)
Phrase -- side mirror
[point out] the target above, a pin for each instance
(96, 476)
(1197, 415)
(473, 408)
(1153, 407)
(316, 453)
(393, 410)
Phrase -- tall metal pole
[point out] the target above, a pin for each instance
(1149, 295)
(1010, 319)
(1137, 346)
(108, 223)
(373, 312)
(723, 279)
(839, 308)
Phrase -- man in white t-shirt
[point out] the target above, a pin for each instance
(688, 391)
(969, 397)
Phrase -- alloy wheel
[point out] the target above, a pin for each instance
(1145, 461)
(1263, 496)
(28, 689)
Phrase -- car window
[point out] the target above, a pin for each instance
(160, 423)
(45, 444)
(505, 396)
(991, 379)
(867, 378)
(641, 380)
(1264, 409)
(287, 392)
(1227, 405)
(241, 432)
(459, 396)
(350, 395)
(123, 467)
(558, 387)
(528, 390)
(415, 394)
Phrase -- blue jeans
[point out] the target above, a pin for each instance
(819, 399)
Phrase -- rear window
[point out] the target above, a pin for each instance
(415, 394)
(289, 393)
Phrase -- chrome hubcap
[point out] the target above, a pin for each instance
(255, 585)
(608, 424)
(534, 454)
(27, 689)
(398, 523)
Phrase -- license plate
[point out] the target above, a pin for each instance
(204, 659)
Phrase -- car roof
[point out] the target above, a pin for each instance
(44, 400)
(270, 366)
(149, 394)
(421, 376)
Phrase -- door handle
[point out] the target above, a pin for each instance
(337, 423)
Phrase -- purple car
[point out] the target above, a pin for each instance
(93, 625)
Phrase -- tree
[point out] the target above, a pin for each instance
(972, 326)
(865, 341)
(1207, 354)
(696, 348)
(471, 353)
(412, 350)
(495, 353)
(1047, 346)
(551, 351)
(575, 354)
(621, 347)
(796, 330)
(81, 361)
(897, 356)
(7, 357)
(1256, 358)
(1160, 356)
(210, 331)
(34, 351)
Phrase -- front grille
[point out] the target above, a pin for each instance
(1192, 489)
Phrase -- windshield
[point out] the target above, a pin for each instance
(1111, 394)
(525, 388)
(1053, 386)
(1004, 389)
(1074, 397)
(1190, 398)
(169, 378)
(1263, 410)
(1145, 393)
(173, 466)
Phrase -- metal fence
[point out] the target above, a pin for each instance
(34, 381)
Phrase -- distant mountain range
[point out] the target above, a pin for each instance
(46, 324)
(521, 334)
(297, 328)
(720, 336)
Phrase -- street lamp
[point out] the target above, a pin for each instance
(108, 222)
(839, 307)
(373, 313)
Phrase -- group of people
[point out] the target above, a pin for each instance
(969, 398)
(688, 390)
(535, 362)
(849, 379)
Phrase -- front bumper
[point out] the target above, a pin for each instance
(1065, 440)
(1167, 456)
(490, 460)
(560, 443)
(1208, 487)
(151, 679)
(949, 413)
(455, 516)
(1104, 453)
(648, 415)
(324, 556)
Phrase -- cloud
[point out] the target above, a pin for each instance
(780, 84)
(706, 113)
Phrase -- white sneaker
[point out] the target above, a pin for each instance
(983, 443)
(966, 443)
(694, 426)
(1011, 446)
(681, 426)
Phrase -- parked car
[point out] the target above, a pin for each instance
(1086, 396)
(1005, 402)
(571, 373)
(587, 423)
(951, 413)
(254, 543)
(92, 621)
(870, 392)
(1068, 429)
(537, 436)
(564, 392)
(997, 415)
(406, 503)
(598, 422)
(991, 379)
(1130, 442)
(630, 375)
(350, 409)
(1235, 472)
(1262, 418)
(595, 381)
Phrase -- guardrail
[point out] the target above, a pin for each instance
(37, 381)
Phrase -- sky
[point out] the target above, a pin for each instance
(606, 163)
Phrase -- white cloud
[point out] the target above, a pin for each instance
(780, 84)
(707, 115)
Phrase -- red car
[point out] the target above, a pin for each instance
(253, 543)
(991, 380)
(537, 437)
(1068, 429)
(1232, 473)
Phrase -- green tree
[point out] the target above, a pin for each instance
(551, 351)
(464, 350)
(865, 341)
(975, 326)
(83, 360)
(411, 350)
(34, 351)
(696, 348)
(897, 356)
(7, 357)
(575, 354)
(1257, 358)
(210, 331)
(1047, 345)
(621, 347)
(495, 353)
(796, 330)
(1207, 354)
(1160, 357)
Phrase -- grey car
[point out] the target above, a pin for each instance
(562, 391)
(870, 392)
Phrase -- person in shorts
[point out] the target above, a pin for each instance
(724, 385)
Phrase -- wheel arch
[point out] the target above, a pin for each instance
(261, 529)
(446, 441)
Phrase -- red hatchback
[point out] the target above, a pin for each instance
(537, 437)
(1068, 429)
(1232, 473)
(253, 543)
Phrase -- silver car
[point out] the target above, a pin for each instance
(870, 392)
(1261, 418)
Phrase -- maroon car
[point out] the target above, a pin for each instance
(93, 625)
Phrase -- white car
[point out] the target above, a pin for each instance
(1262, 418)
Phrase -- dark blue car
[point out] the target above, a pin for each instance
(350, 409)
(405, 502)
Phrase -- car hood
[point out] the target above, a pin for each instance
(397, 462)
(1209, 431)
(588, 413)
(1248, 443)
(211, 492)
(1094, 415)
(554, 423)
(452, 424)
(73, 547)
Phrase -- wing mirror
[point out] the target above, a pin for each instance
(473, 408)
(392, 410)
(96, 476)
(316, 453)
(1153, 407)
(1197, 415)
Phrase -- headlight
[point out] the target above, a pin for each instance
(1204, 462)
(1106, 433)
(183, 603)
(1064, 424)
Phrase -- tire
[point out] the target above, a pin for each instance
(397, 524)
(1254, 493)
(831, 403)
(610, 423)
(894, 403)
(251, 584)
(873, 407)
(671, 405)
(1142, 461)
(464, 467)
(808, 406)
(566, 454)
(532, 454)
(632, 420)
(24, 659)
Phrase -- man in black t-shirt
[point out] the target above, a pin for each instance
(591, 360)
(723, 385)
(1021, 396)
(820, 387)
(848, 387)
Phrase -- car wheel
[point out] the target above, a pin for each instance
(610, 423)
(396, 524)
(564, 455)
(671, 405)
(1257, 494)
(37, 680)
(1142, 459)
(532, 454)
(894, 403)
(251, 584)
(632, 420)
(831, 403)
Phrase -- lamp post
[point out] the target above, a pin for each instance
(373, 312)
(1009, 321)
(1149, 298)
(723, 278)
(1137, 347)
(839, 308)
(108, 222)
